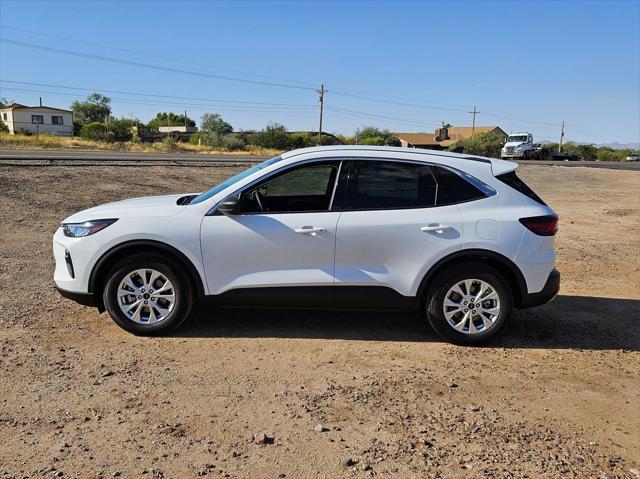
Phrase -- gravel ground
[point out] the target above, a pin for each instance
(279, 394)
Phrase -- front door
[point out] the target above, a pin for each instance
(281, 246)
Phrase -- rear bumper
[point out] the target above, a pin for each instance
(86, 299)
(548, 293)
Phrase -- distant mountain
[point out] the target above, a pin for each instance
(614, 145)
(621, 146)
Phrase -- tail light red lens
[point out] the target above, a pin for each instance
(541, 225)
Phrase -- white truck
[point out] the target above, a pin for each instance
(521, 146)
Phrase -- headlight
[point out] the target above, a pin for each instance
(79, 230)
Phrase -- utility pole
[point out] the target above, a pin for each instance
(473, 125)
(321, 92)
(561, 137)
(185, 120)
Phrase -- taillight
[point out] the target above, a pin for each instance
(541, 225)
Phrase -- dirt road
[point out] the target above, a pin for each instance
(337, 394)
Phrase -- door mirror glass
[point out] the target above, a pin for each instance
(229, 206)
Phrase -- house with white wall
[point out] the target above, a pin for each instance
(37, 119)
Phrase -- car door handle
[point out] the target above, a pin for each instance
(436, 228)
(308, 231)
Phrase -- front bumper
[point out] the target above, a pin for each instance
(86, 299)
(548, 293)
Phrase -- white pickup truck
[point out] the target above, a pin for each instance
(521, 146)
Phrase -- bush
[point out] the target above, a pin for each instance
(481, 144)
(122, 129)
(370, 135)
(3, 128)
(233, 142)
(94, 131)
(373, 141)
(167, 144)
(24, 131)
(207, 138)
(274, 136)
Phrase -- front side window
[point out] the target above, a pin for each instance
(37, 119)
(306, 188)
(375, 185)
(231, 181)
(57, 120)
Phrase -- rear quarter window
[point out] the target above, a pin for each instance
(453, 188)
(516, 183)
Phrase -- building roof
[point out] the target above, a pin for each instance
(18, 106)
(455, 133)
(418, 138)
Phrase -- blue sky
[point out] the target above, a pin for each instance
(525, 65)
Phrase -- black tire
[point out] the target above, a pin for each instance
(173, 271)
(441, 284)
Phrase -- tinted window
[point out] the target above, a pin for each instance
(307, 188)
(37, 119)
(516, 183)
(389, 184)
(56, 120)
(453, 188)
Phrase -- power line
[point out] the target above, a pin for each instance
(151, 95)
(149, 65)
(395, 102)
(139, 101)
(151, 55)
(371, 116)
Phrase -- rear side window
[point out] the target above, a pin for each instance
(516, 183)
(374, 185)
(453, 188)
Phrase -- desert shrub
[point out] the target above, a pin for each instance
(94, 131)
(233, 142)
(3, 128)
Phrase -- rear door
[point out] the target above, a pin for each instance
(390, 231)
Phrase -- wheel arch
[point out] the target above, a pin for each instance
(504, 265)
(128, 248)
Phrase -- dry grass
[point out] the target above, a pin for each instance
(58, 142)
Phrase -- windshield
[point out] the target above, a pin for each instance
(234, 179)
(517, 138)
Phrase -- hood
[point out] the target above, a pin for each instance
(515, 143)
(147, 206)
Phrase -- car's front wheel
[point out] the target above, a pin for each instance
(148, 294)
(468, 303)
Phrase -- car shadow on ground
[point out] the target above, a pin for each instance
(569, 322)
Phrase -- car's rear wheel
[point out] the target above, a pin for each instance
(468, 303)
(148, 294)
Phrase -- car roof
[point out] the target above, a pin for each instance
(431, 156)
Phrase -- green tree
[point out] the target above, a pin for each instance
(481, 144)
(214, 123)
(169, 119)
(97, 107)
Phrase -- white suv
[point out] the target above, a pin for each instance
(458, 237)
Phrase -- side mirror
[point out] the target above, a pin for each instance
(229, 206)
